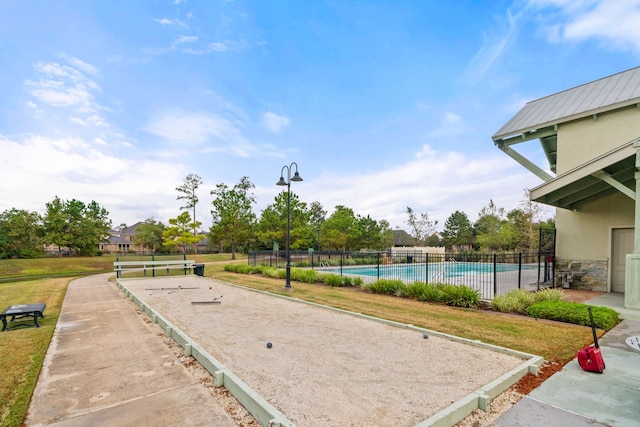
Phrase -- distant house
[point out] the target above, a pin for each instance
(590, 136)
(402, 238)
(203, 245)
(122, 241)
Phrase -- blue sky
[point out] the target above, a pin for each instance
(382, 104)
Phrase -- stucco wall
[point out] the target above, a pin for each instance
(583, 243)
(584, 238)
(585, 139)
(586, 234)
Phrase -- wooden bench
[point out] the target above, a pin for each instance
(123, 266)
(22, 311)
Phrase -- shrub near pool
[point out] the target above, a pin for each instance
(303, 275)
(453, 295)
(332, 279)
(518, 300)
(571, 312)
(387, 286)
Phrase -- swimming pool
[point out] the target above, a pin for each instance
(428, 272)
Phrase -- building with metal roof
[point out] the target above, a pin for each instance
(590, 136)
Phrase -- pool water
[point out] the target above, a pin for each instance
(420, 271)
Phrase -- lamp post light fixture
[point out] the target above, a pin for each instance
(282, 182)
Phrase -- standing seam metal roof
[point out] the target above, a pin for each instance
(622, 88)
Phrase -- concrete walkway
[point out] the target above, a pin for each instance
(574, 397)
(106, 367)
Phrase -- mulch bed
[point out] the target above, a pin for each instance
(529, 382)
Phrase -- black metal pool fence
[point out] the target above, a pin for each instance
(490, 274)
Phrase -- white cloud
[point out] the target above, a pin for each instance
(193, 129)
(274, 122)
(72, 168)
(217, 47)
(185, 39)
(208, 131)
(495, 43)
(452, 118)
(78, 121)
(171, 22)
(451, 125)
(426, 151)
(437, 182)
(224, 46)
(83, 66)
(67, 86)
(56, 94)
(614, 23)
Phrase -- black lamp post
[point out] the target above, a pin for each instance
(296, 178)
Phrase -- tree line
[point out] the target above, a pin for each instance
(69, 225)
(236, 227)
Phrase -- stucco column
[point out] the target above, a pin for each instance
(632, 273)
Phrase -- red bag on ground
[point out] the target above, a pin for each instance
(590, 357)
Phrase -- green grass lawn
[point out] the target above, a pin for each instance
(21, 269)
(22, 350)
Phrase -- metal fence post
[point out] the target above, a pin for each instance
(495, 274)
(426, 268)
(184, 257)
(519, 269)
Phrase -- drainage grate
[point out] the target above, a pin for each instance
(634, 342)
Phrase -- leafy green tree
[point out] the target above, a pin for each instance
(232, 212)
(149, 234)
(272, 226)
(179, 232)
(386, 232)
(55, 224)
(531, 215)
(421, 226)
(74, 215)
(490, 231)
(368, 234)
(339, 230)
(520, 228)
(317, 216)
(20, 234)
(75, 225)
(457, 230)
(187, 192)
(433, 240)
(93, 229)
